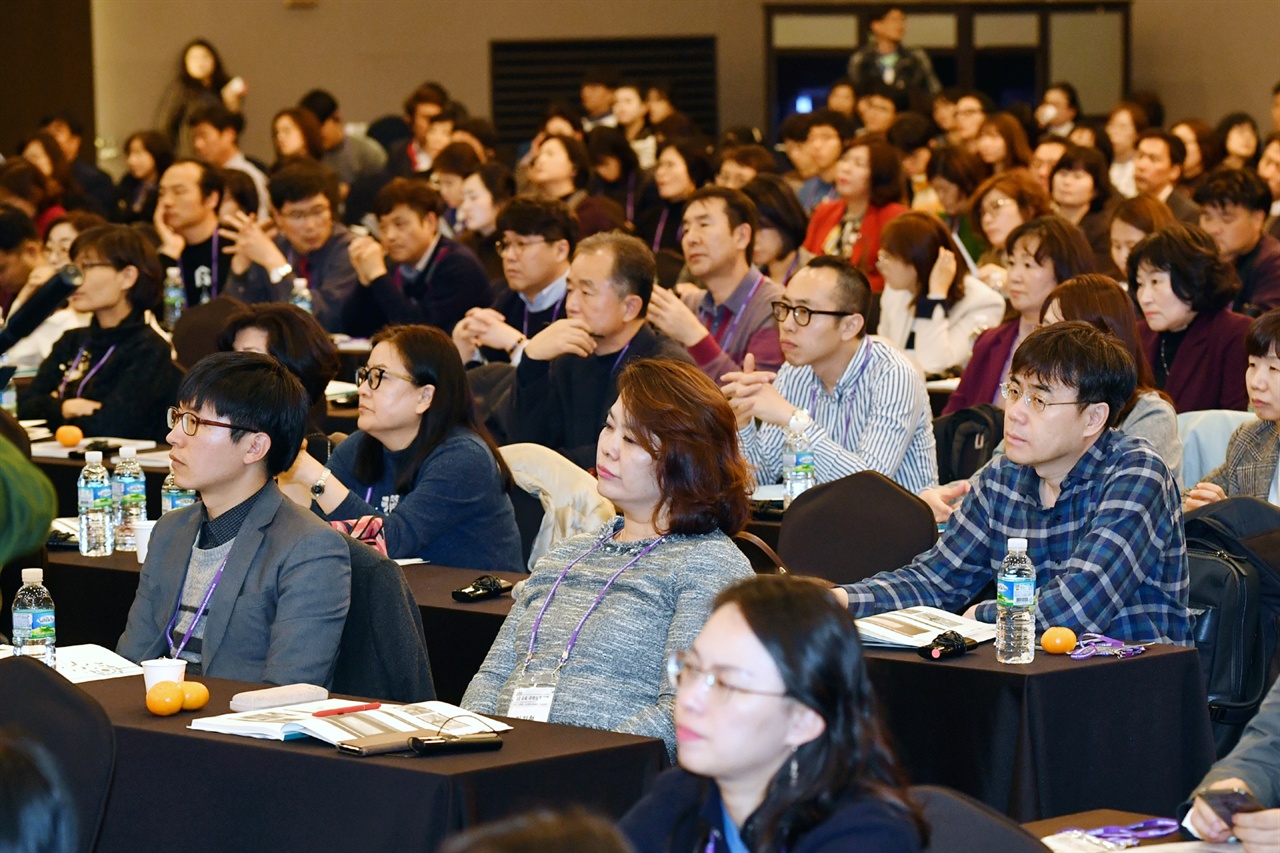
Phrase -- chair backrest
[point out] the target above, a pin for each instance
(383, 652)
(849, 529)
(42, 705)
(1204, 440)
(960, 824)
(764, 560)
(966, 440)
(195, 335)
(567, 494)
(529, 518)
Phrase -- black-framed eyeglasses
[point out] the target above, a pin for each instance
(803, 314)
(374, 376)
(682, 673)
(191, 422)
(1035, 402)
(518, 246)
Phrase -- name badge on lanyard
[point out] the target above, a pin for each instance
(532, 703)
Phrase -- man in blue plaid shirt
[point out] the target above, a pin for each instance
(1100, 510)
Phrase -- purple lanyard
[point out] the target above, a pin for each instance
(573, 639)
(80, 355)
(168, 634)
(555, 314)
(662, 226)
(617, 362)
(213, 263)
(368, 495)
(853, 392)
(728, 335)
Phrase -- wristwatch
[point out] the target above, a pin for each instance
(318, 488)
(277, 275)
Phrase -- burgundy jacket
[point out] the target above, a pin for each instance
(1208, 371)
(985, 372)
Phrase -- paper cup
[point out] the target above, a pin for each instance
(142, 532)
(163, 669)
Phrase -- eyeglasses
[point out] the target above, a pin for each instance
(683, 672)
(517, 246)
(375, 375)
(803, 314)
(298, 217)
(1035, 402)
(992, 207)
(191, 422)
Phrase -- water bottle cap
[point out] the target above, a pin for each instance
(1017, 544)
(93, 457)
(128, 452)
(33, 575)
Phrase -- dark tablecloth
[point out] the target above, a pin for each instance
(211, 792)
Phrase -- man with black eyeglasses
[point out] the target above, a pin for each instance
(860, 402)
(245, 584)
(1100, 510)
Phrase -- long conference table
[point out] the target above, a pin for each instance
(1055, 737)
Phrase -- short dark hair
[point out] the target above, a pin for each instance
(299, 180)
(414, 193)
(67, 117)
(1243, 187)
(738, 207)
(1073, 97)
(122, 246)
(1177, 148)
(600, 75)
(794, 128)
(755, 157)
(1058, 241)
(778, 208)
(578, 156)
(1090, 160)
(211, 179)
(20, 179)
(983, 99)
(697, 160)
(480, 128)
(321, 104)
(957, 165)
(155, 144)
(430, 358)
(428, 93)
(1197, 273)
(16, 228)
(456, 158)
(680, 417)
(253, 391)
(604, 142)
(892, 94)
(1263, 335)
(838, 122)
(633, 270)
(550, 219)
(1077, 355)
(498, 180)
(241, 188)
(910, 132)
(217, 115)
(853, 291)
(294, 338)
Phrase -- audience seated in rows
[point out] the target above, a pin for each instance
(243, 584)
(861, 404)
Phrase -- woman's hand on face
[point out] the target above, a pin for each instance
(1201, 494)
(942, 274)
(79, 408)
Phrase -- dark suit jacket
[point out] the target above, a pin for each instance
(985, 372)
(1259, 272)
(1208, 371)
(276, 616)
(1184, 209)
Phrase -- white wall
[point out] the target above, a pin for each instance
(1206, 57)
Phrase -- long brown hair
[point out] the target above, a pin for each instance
(683, 421)
(916, 237)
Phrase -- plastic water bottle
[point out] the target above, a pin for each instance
(798, 471)
(172, 497)
(9, 395)
(175, 297)
(1016, 606)
(34, 631)
(301, 295)
(97, 513)
(129, 494)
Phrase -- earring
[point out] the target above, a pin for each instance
(795, 768)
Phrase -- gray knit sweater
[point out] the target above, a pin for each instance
(616, 676)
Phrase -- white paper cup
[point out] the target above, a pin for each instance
(142, 532)
(163, 669)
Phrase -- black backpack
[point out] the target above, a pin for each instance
(1233, 548)
(966, 439)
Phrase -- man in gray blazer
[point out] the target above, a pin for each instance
(246, 584)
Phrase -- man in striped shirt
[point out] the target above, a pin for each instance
(1099, 510)
(865, 404)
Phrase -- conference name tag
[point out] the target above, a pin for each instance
(532, 703)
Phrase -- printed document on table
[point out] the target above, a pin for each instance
(918, 626)
(293, 721)
(79, 664)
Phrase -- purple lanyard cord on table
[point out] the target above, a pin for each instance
(1154, 828)
(76, 363)
(204, 603)
(573, 639)
(1099, 644)
(853, 391)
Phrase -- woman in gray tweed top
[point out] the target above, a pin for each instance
(586, 643)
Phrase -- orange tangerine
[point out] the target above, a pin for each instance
(1058, 641)
(164, 699)
(194, 696)
(69, 435)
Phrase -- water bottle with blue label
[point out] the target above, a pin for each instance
(34, 629)
(301, 295)
(799, 473)
(1016, 606)
(129, 494)
(172, 497)
(97, 509)
(175, 297)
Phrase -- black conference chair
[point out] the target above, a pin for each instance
(41, 705)
(195, 335)
(383, 652)
(849, 529)
(960, 824)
